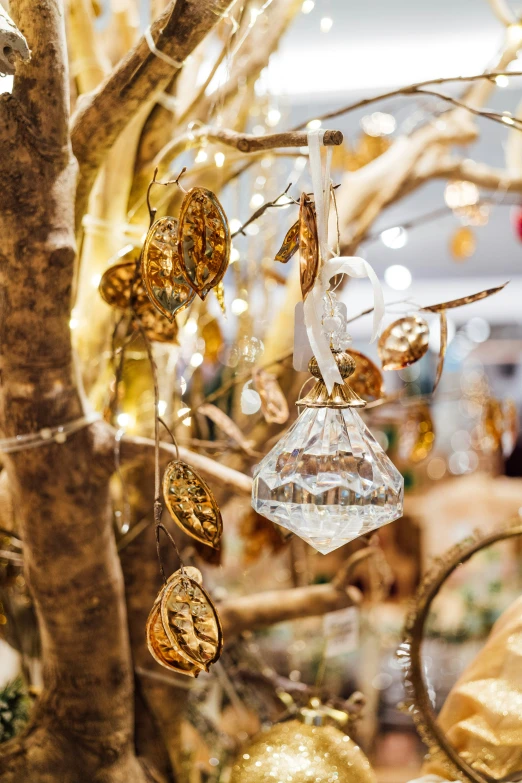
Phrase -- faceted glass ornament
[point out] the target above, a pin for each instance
(328, 480)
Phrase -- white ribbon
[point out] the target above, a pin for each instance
(331, 266)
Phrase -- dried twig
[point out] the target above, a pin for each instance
(262, 209)
(418, 89)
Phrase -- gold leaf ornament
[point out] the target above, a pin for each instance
(403, 342)
(203, 241)
(366, 380)
(161, 270)
(122, 287)
(308, 245)
(274, 405)
(417, 434)
(464, 300)
(191, 504)
(290, 244)
(190, 621)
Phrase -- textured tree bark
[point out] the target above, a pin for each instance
(82, 727)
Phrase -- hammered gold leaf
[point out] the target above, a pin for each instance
(161, 271)
(122, 287)
(308, 245)
(366, 380)
(464, 300)
(403, 342)
(191, 622)
(274, 405)
(203, 240)
(442, 348)
(290, 244)
(191, 503)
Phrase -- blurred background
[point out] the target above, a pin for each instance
(459, 451)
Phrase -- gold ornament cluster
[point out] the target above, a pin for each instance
(179, 259)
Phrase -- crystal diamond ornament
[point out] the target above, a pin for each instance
(328, 480)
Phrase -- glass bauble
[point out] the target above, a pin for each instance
(295, 752)
(328, 480)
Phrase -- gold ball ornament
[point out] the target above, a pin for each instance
(295, 752)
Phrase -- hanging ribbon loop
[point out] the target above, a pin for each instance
(331, 265)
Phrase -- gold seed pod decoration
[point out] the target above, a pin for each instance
(183, 629)
(158, 643)
(191, 504)
(122, 287)
(203, 241)
(366, 380)
(161, 270)
(308, 245)
(190, 621)
(403, 342)
(290, 244)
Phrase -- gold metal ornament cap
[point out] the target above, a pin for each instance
(342, 395)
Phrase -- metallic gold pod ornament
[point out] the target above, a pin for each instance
(122, 287)
(403, 342)
(417, 434)
(463, 243)
(183, 628)
(191, 504)
(308, 245)
(161, 270)
(203, 241)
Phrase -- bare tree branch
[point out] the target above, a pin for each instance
(41, 84)
(13, 46)
(275, 606)
(137, 447)
(503, 12)
(101, 116)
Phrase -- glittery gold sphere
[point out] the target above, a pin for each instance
(294, 752)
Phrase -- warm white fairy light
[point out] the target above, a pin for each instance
(252, 230)
(326, 24)
(313, 124)
(378, 123)
(123, 419)
(73, 323)
(191, 327)
(234, 255)
(219, 159)
(398, 277)
(186, 421)
(307, 6)
(162, 407)
(235, 225)
(259, 130)
(461, 193)
(196, 359)
(96, 280)
(507, 118)
(182, 385)
(272, 118)
(202, 156)
(502, 80)
(256, 200)
(239, 306)
(395, 237)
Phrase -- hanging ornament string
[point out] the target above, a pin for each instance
(331, 265)
(47, 435)
(158, 505)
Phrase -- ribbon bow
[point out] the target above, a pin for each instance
(332, 264)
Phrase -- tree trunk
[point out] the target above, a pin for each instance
(82, 726)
